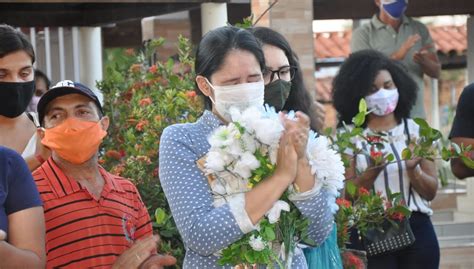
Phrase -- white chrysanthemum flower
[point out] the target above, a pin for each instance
(274, 213)
(246, 165)
(235, 150)
(215, 161)
(249, 142)
(268, 131)
(224, 136)
(249, 115)
(326, 163)
(257, 243)
(235, 114)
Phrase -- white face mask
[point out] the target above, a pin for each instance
(240, 96)
(382, 102)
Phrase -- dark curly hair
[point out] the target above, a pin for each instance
(356, 77)
(299, 98)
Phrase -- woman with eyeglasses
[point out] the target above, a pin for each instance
(284, 90)
(284, 86)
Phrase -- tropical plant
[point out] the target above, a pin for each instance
(141, 99)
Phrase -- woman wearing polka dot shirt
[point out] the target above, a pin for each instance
(231, 59)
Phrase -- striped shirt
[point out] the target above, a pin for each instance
(82, 232)
(394, 177)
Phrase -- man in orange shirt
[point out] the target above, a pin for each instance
(93, 218)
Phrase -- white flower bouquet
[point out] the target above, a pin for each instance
(242, 154)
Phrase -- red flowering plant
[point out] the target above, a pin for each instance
(352, 261)
(366, 210)
(141, 99)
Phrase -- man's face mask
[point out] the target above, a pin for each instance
(240, 96)
(15, 97)
(394, 8)
(277, 92)
(382, 102)
(74, 140)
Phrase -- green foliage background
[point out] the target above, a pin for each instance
(142, 99)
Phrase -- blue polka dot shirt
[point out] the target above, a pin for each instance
(204, 228)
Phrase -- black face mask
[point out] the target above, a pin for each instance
(276, 93)
(15, 97)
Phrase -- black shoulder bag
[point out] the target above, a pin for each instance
(390, 238)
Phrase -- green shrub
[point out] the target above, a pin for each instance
(141, 100)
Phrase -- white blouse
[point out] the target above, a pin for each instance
(30, 148)
(394, 177)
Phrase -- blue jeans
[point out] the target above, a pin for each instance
(424, 253)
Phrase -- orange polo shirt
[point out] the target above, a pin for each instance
(82, 232)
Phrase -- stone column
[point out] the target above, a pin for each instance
(470, 50)
(169, 27)
(91, 56)
(293, 19)
(213, 15)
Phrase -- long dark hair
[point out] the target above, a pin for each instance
(356, 77)
(12, 40)
(299, 98)
(215, 45)
(41, 75)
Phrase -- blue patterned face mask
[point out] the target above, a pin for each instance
(394, 8)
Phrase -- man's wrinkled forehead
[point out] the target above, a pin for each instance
(73, 100)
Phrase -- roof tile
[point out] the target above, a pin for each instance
(447, 39)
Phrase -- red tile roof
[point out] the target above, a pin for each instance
(324, 89)
(448, 40)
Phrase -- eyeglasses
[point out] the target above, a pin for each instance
(286, 73)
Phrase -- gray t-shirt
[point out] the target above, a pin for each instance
(382, 37)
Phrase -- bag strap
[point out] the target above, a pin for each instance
(34, 118)
(407, 132)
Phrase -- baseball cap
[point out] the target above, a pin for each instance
(65, 87)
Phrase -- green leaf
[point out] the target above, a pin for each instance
(351, 188)
(445, 154)
(404, 210)
(328, 131)
(357, 131)
(160, 216)
(170, 63)
(362, 106)
(406, 154)
(390, 157)
(249, 257)
(422, 123)
(269, 234)
(467, 161)
(359, 119)
(166, 233)
(174, 80)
